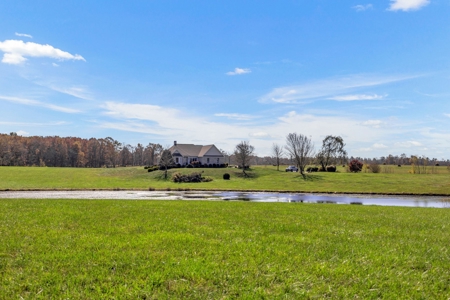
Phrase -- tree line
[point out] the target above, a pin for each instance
(55, 151)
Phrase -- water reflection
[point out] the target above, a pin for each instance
(418, 201)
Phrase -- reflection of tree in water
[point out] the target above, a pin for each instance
(445, 202)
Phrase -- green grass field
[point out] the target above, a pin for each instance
(102, 249)
(394, 181)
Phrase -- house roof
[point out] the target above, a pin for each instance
(194, 150)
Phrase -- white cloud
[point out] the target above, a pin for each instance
(55, 65)
(75, 91)
(260, 135)
(37, 103)
(166, 124)
(408, 144)
(16, 50)
(328, 88)
(407, 5)
(373, 123)
(379, 146)
(447, 115)
(362, 7)
(24, 35)
(357, 97)
(239, 71)
(241, 117)
(34, 124)
(22, 133)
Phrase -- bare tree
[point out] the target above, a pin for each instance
(166, 161)
(300, 148)
(332, 151)
(243, 153)
(277, 153)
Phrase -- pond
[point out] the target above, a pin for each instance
(355, 199)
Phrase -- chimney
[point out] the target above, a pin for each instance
(174, 143)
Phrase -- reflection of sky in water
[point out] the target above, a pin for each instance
(415, 201)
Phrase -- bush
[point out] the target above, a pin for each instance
(193, 177)
(189, 166)
(374, 167)
(355, 166)
(331, 168)
(226, 176)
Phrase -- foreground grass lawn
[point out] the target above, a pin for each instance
(77, 249)
(396, 180)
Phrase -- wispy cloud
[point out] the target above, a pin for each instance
(328, 88)
(407, 5)
(408, 144)
(239, 71)
(240, 117)
(38, 103)
(260, 135)
(373, 123)
(379, 146)
(34, 124)
(78, 92)
(16, 52)
(24, 35)
(357, 97)
(177, 124)
(362, 7)
(22, 133)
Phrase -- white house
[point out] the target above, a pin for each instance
(185, 154)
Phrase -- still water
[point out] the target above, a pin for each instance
(356, 199)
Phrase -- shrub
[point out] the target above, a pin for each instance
(331, 168)
(226, 176)
(355, 166)
(375, 168)
(193, 177)
(189, 166)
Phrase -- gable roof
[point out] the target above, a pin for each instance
(195, 150)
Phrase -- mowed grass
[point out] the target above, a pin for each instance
(102, 249)
(396, 181)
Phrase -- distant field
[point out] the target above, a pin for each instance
(393, 179)
(103, 249)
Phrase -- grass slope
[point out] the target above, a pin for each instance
(396, 181)
(104, 249)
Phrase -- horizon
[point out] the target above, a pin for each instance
(376, 74)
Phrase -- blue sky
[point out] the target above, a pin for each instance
(376, 73)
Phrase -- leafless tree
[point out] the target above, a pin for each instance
(243, 153)
(277, 153)
(166, 161)
(300, 148)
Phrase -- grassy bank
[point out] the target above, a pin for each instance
(81, 249)
(394, 181)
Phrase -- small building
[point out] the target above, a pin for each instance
(185, 154)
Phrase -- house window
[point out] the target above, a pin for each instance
(176, 159)
(207, 160)
(217, 160)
